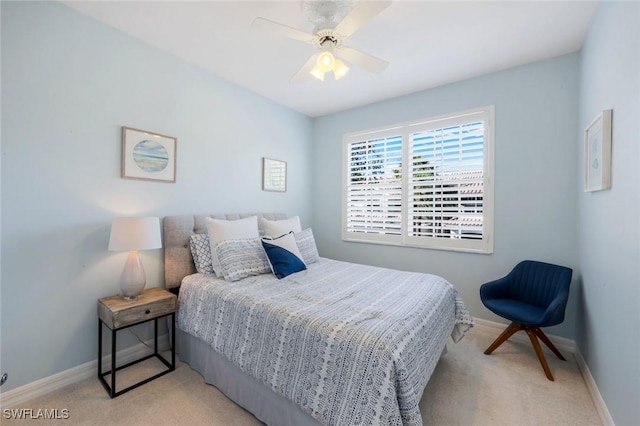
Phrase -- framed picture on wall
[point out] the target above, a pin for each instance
(274, 175)
(148, 156)
(597, 153)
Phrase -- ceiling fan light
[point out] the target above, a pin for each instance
(340, 69)
(317, 73)
(326, 61)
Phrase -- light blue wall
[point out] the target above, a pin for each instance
(68, 85)
(609, 221)
(535, 176)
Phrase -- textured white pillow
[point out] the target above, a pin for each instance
(242, 258)
(277, 228)
(307, 246)
(221, 230)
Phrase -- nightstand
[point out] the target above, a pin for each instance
(117, 314)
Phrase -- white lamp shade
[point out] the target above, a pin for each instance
(317, 73)
(325, 61)
(135, 233)
(340, 69)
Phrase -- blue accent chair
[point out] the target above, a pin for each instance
(533, 295)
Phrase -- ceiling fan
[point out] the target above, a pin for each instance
(335, 21)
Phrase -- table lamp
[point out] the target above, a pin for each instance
(133, 234)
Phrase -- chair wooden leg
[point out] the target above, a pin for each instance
(547, 342)
(508, 332)
(536, 345)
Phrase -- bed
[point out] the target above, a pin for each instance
(338, 343)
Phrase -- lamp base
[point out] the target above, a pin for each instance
(131, 297)
(133, 279)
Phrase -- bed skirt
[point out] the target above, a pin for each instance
(266, 405)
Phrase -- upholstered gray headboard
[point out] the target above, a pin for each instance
(178, 262)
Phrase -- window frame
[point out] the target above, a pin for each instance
(483, 245)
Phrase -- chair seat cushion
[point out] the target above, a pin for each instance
(516, 311)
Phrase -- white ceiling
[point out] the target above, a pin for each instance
(428, 43)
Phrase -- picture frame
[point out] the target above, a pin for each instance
(597, 153)
(274, 175)
(148, 156)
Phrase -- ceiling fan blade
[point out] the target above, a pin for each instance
(361, 59)
(285, 30)
(361, 13)
(304, 73)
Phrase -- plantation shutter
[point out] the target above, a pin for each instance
(446, 191)
(374, 187)
(426, 183)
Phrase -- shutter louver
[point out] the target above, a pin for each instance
(446, 182)
(374, 188)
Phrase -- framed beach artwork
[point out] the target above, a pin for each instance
(148, 156)
(597, 153)
(274, 175)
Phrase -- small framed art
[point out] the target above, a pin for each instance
(597, 153)
(148, 156)
(274, 175)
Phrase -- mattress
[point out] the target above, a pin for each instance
(347, 343)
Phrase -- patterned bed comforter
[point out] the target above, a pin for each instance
(350, 344)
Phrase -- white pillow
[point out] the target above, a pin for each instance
(277, 228)
(221, 230)
(242, 258)
(307, 246)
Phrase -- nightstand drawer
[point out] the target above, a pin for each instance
(116, 312)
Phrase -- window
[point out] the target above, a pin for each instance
(426, 183)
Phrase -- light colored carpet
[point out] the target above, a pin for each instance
(467, 388)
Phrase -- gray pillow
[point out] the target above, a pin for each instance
(201, 253)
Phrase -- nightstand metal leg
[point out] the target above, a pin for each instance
(155, 336)
(99, 348)
(173, 342)
(113, 363)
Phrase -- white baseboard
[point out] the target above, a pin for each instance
(601, 407)
(563, 344)
(56, 381)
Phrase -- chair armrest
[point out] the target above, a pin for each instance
(554, 314)
(496, 289)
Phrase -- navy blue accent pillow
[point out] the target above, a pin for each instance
(284, 255)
